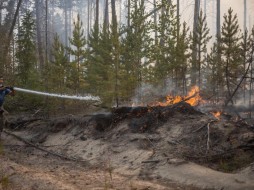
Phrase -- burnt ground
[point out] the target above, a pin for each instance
(175, 147)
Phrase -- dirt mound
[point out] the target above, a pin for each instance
(153, 142)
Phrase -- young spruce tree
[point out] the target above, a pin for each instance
(58, 66)
(231, 52)
(200, 39)
(77, 49)
(164, 53)
(100, 71)
(135, 49)
(26, 52)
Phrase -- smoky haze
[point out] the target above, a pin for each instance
(187, 7)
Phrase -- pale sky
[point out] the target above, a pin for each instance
(187, 7)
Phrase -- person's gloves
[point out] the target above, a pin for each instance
(12, 90)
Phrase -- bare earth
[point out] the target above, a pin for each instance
(116, 159)
(28, 168)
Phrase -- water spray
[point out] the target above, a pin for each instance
(88, 97)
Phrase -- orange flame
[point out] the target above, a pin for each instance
(217, 114)
(193, 98)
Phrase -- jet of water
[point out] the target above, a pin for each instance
(88, 97)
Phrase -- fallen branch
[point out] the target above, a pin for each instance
(204, 126)
(24, 121)
(42, 149)
(173, 142)
(208, 138)
(211, 156)
(150, 161)
(151, 142)
(184, 100)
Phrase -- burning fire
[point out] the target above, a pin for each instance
(193, 98)
(217, 114)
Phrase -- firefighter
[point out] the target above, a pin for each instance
(3, 92)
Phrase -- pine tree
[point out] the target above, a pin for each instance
(26, 52)
(245, 45)
(58, 67)
(214, 74)
(7, 9)
(100, 70)
(199, 44)
(230, 40)
(194, 45)
(135, 48)
(116, 51)
(164, 53)
(77, 50)
(182, 56)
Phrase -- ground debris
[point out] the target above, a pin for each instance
(134, 139)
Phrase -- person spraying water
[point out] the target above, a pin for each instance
(11, 91)
(3, 92)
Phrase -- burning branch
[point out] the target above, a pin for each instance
(193, 98)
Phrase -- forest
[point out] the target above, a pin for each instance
(124, 51)
(160, 95)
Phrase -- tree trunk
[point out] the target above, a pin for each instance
(9, 38)
(178, 19)
(38, 34)
(194, 51)
(205, 4)
(245, 15)
(97, 15)
(46, 32)
(88, 18)
(106, 16)
(162, 13)
(116, 46)
(155, 23)
(66, 23)
(1, 5)
(129, 13)
(218, 24)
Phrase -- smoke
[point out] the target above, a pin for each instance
(148, 93)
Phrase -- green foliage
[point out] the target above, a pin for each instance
(231, 51)
(100, 68)
(164, 53)
(1, 148)
(59, 66)
(26, 53)
(78, 42)
(236, 162)
(4, 182)
(5, 25)
(114, 65)
(214, 71)
(181, 59)
(135, 50)
(200, 39)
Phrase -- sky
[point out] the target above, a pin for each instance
(237, 6)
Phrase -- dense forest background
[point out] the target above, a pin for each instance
(123, 54)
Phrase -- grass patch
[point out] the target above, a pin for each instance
(238, 161)
(4, 182)
(1, 148)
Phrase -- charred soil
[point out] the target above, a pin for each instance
(171, 147)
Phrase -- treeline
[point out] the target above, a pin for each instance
(114, 61)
